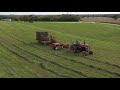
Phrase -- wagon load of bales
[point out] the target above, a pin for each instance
(42, 37)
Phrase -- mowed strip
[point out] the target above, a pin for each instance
(88, 65)
(16, 67)
(24, 31)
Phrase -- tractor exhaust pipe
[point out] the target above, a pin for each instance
(84, 42)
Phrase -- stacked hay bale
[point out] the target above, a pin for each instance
(42, 37)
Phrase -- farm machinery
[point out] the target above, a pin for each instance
(49, 39)
(81, 47)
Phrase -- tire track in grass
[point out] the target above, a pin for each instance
(9, 61)
(51, 62)
(91, 66)
(76, 71)
(96, 60)
(7, 68)
(94, 67)
(54, 63)
(107, 63)
(39, 64)
(46, 67)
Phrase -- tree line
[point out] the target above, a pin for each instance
(115, 16)
(31, 18)
(64, 17)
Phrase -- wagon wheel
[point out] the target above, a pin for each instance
(84, 53)
(90, 52)
(54, 48)
(57, 47)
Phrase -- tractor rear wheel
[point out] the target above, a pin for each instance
(72, 49)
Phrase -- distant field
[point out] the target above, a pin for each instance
(101, 19)
(21, 55)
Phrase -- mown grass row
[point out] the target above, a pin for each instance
(10, 67)
(26, 39)
(84, 64)
(51, 62)
(99, 69)
(14, 66)
(90, 66)
(101, 48)
(61, 56)
(36, 62)
(96, 59)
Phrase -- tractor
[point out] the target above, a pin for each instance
(49, 39)
(81, 47)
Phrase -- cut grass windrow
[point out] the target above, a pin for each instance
(8, 68)
(37, 63)
(91, 66)
(96, 60)
(51, 62)
(29, 32)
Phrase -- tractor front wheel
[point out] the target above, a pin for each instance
(90, 52)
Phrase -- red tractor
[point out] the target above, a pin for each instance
(81, 47)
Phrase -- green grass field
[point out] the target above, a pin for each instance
(22, 57)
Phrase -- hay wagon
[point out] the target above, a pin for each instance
(43, 37)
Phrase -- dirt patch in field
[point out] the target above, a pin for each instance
(101, 20)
